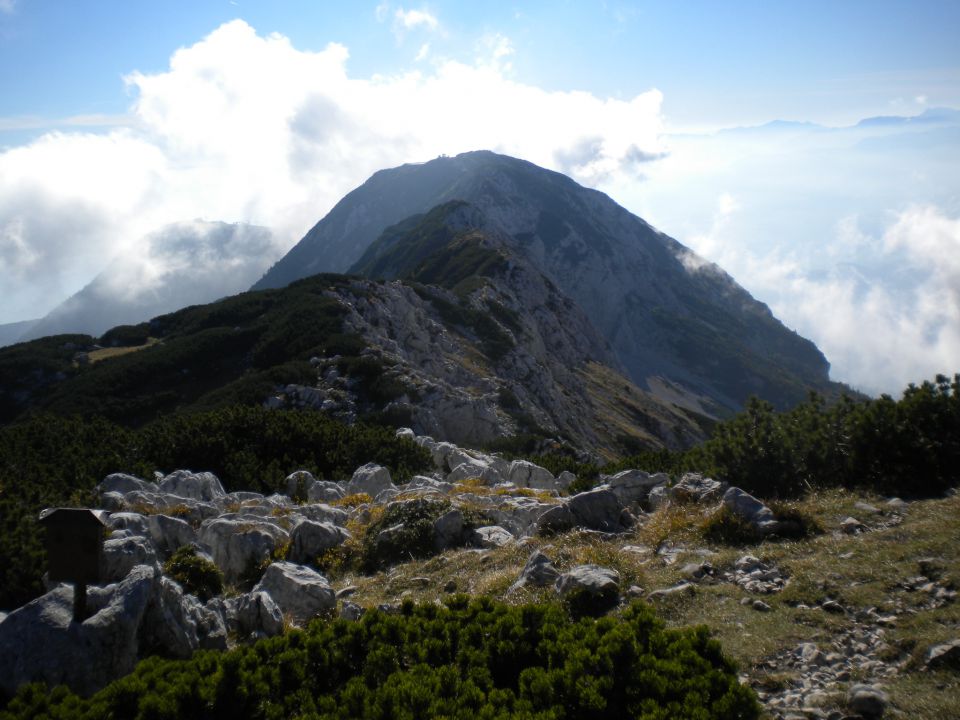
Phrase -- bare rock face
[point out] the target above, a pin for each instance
(598, 509)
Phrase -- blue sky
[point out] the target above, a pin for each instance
(716, 63)
(117, 118)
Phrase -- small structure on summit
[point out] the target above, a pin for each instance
(74, 548)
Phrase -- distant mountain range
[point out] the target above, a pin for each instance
(182, 264)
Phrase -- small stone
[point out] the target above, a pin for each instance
(346, 591)
(867, 700)
(761, 606)
(832, 606)
(635, 591)
(946, 655)
(450, 586)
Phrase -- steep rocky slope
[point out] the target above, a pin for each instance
(483, 345)
(679, 327)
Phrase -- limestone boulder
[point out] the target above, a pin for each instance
(240, 546)
(492, 536)
(176, 623)
(321, 512)
(751, 510)
(298, 484)
(538, 572)
(448, 530)
(123, 483)
(324, 491)
(597, 587)
(371, 479)
(257, 614)
(169, 533)
(633, 486)
(523, 473)
(122, 554)
(694, 487)
(195, 486)
(134, 522)
(299, 591)
(41, 642)
(599, 509)
(310, 539)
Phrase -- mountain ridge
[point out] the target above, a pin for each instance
(671, 318)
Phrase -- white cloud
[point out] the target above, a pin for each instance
(7, 6)
(877, 335)
(247, 128)
(422, 52)
(412, 19)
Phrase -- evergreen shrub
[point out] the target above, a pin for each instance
(467, 659)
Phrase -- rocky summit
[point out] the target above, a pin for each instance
(677, 326)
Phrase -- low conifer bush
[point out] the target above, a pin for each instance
(466, 659)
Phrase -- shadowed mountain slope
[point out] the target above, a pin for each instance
(679, 326)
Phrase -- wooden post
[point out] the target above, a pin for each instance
(79, 602)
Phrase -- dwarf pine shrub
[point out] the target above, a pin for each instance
(465, 659)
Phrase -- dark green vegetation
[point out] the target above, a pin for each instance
(196, 574)
(47, 461)
(728, 528)
(428, 249)
(410, 532)
(469, 659)
(236, 350)
(908, 447)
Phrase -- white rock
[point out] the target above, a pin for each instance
(258, 614)
(169, 533)
(750, 509)
(196, 486)
(601, 584)
(298, 484)
(40, 641)
(632, 486)
(299, 591)
(309, 539)
(370, 479)
(121, 555)
(123, 483)
(324, 491)
(492, 536)
(539, 572)
(523, 473)
(240, 546)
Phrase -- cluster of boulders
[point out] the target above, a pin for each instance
(267, 549)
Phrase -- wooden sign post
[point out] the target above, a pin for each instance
(74, 548)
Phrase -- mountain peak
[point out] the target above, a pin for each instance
(670, 320)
